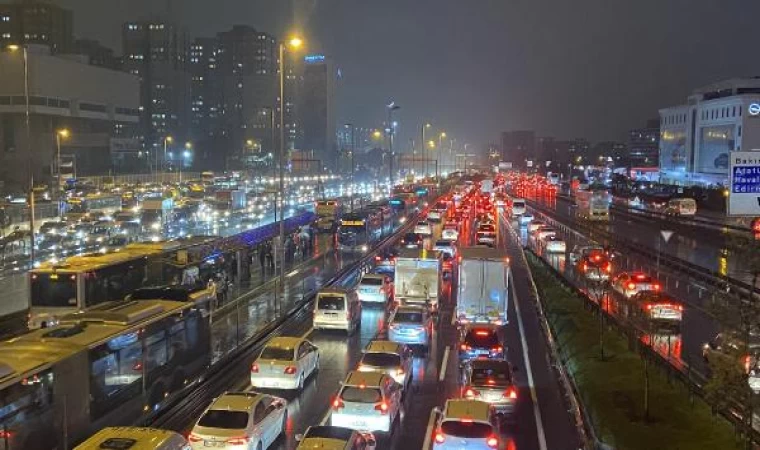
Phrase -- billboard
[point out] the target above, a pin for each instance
(744, 182)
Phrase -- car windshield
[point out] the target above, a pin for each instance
(381, 360)
(466, 429)
(411, 237)
(331, 303)
(408, 317)
(372, 281)
(360, 395)
(224, 419)
(279, 353)
(482, 338)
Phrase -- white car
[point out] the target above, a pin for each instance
(367, 401)
(631, 283)
(466, 424)
(423, 228)
(375, 288)
(446, 246)
(553, 244)
(327, 437)
(285, 363)
(240, 421)
(391, 358)
(526, 219)
(435, 216)
(450, 234)
(535, 225)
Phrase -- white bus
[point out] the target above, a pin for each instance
(93, 206)
(593, 204)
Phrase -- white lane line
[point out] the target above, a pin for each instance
(325, 419)
(293, 273)
(454, 317)
(529, 372)
(444, 363)
(308, 332)
(429, 433)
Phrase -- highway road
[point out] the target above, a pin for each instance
(540, 421)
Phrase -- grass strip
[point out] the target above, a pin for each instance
(612, 390)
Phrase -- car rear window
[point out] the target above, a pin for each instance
(482, 338)
(221, 418)
(331, 303)
(372, 281)
(359, 395)
(278, 353)
(443, 244)
(487, 228)
(381, 360)
(408, 317)
(468, 429)
(497, 376)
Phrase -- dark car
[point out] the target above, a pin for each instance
(480, 341)
(412, 240)
(490, 381)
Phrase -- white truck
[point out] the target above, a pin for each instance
(418, 278)
(486, 186)
(483, 288)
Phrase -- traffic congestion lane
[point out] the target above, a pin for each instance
(681, 345)
(699, 247)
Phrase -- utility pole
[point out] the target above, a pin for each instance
(392, 106)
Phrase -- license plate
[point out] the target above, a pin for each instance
(492, 396)
(213, 443)
(359, 424)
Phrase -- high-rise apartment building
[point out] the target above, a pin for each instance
(317, 109)
(644, 146)
(37, 22)
(154, 50)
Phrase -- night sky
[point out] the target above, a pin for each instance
(565, 68)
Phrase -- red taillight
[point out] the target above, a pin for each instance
(492, 442)
(382, 407)
(194, 438)
(465, 347)
(238, 440)
(656, 287)
(137, 366)
(255, 368)
(290, 370)
(470, 392)
(497, 349)
(608, 267)
(481, 333)
(584, 267)
(439, 437)
(377, 258)
(337, 403)
(510, 393)
(631, 286)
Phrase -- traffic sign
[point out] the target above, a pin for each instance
(666, 234)
(744, 184)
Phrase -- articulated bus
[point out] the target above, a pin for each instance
(112, 365)
(81, 282)
(94, 206)
(358, 231)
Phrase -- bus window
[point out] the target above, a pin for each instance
(25, 410)
(115, 373)
(53, 290)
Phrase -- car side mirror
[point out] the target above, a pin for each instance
(299, 437)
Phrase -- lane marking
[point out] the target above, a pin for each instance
(454, 317)
(294, 272)
(429, 433)
(308, 332)
(325, 419)
(529, 372)
(444, 364)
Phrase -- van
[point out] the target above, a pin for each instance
(337, 309)
(134, 438)
(681, 207)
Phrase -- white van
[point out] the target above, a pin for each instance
(681, 207)
(134, 438)
(337, 309)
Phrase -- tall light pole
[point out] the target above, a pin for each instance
(392, 106)
(60, 134)
(423, 153)
(185, 156)
(353, 166)
(27, 119)
(294, 43)
(167, 140)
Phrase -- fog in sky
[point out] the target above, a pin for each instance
(582, 68)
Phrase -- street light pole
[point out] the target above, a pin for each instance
(353, 166)
(391, 107)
